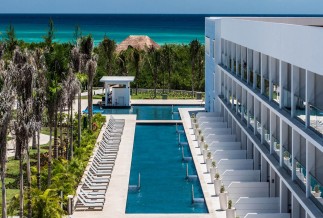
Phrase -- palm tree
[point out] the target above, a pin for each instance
(195, 46)
(71, 87)
(106, 51)
(6, 104)
(122, 63)
(25, 125)
(39, 100)
(167, 60)
(89, 61)
(154, 61)
(137, 59)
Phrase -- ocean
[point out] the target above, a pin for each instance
(170, 29)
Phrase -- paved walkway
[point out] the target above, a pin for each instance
(212, 201)
(11, 146)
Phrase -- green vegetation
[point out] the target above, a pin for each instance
(43, 79)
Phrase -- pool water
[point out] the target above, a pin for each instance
(158, 158)
(146, 112)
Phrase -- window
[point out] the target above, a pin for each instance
(207, 45)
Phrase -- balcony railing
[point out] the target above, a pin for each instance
(276, 147)
(301, 174)
(258, 81)
(266, 136)
(316, 119)
(287, 160)
(276, 94)
(300, 112)
(266, 83)
(287, 99)
(316, 190)
(251, 121)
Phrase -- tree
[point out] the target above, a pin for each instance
(122, 63)
(106, 51)
(154, 63)
(90, 63)
(25, 125)
(167, 60)
(10, 40)
(6, 103)
(195, 46)
(50, 33)
(39, 98)
(71, 87)
(136, 58)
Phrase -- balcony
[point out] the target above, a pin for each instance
(300, 175)
(276, 147)
(287, 164)
(276, 94)
(251, 121)
(316, 191)
(316, 120)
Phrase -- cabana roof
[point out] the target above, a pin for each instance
(138, 42)
(117, 79)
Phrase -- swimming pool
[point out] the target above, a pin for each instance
(164, 188)
(146, 112)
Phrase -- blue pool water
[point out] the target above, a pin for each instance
(146, 112)
(158, 158)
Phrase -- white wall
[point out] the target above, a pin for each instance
(299, 45)
(120, 92)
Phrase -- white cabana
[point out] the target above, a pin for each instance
(117, 90)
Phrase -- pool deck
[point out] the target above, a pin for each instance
(116, 195)
(211, 200)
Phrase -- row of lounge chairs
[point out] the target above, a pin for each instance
(92, 193)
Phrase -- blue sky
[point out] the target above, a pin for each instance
(163, 6)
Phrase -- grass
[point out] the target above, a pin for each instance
(44, 130)
(147, 95)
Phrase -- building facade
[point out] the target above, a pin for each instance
(265, 76)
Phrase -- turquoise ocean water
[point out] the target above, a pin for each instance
(161, 28)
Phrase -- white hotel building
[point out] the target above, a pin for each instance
(265, 76)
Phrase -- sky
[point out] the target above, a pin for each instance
(164, 6)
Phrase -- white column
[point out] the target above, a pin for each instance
(270, 76)
(280, 85)
(272, 129)
(281, 139)
(107, 87)
(309, 95)
(129, 96)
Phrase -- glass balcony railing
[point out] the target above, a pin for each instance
(251, 77)
(300, 112)
(316, 190)
(245, 114)
(287, 160)
(245, 75)
(301, 174)
(259, 128)
(266, 83)
(266, 136)
(276, 147)
(316, 119)
(258, 81)
(251, 121)
(239, 70)
(276, 94)
(287, 99)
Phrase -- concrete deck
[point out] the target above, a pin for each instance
(212, 201)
